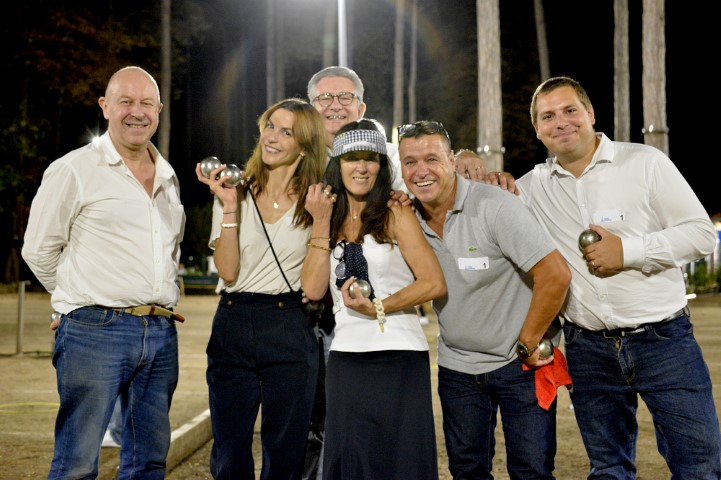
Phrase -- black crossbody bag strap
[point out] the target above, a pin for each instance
(262, 224)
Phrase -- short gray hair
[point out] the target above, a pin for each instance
(335, 71)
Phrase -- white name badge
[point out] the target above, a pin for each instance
(604, 216)
(477, 263)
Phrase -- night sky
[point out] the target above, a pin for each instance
(228, 77)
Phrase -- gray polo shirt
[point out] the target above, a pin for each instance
(491, 239)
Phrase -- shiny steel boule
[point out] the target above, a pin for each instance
(545, 348)
(361, 286)
(587, 237)
(208, 164)
(235, 174)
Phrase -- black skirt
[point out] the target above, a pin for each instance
(379, 418)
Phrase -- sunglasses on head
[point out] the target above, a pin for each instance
(422, 127)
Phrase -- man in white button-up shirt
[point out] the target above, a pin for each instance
(104, 239)
(627, 330)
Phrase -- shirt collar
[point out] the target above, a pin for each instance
(163, 170)
(604, 153)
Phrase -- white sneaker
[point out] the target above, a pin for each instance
(108, 441)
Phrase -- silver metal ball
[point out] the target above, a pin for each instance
(545, 348)
(208, 164)
(235, 174)
(587, 237)
(361, 286)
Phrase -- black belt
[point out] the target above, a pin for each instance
(627, 332)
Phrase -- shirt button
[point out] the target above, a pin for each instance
(281, 305)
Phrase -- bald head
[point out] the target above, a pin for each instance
(131, 74)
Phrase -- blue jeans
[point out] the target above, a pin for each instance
(665, 367)
(115, 427)
(98, 355)
(470, 405)
(262, 349)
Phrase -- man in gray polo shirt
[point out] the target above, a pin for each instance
(506, 284)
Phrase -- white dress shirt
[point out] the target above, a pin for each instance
(95, 237)
(636, 192)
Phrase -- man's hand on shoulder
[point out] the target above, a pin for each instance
(399, 198)
(503, 179)
(470, 165)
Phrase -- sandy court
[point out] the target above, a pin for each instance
(28, 398)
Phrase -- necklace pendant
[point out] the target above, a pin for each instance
(275, 205)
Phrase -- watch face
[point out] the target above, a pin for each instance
(522, 350)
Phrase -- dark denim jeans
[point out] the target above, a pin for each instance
(98, 354)
(663, 365)
(470, 405)
(262, 349)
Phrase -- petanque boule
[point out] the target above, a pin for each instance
(361, 286)
(587, 237)
(208, 164)
(235, 174)
(545, 348)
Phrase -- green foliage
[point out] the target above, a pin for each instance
(703, 281)
(60, 56)
(197, 233)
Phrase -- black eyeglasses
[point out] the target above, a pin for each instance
(326, 99)
(423, 127)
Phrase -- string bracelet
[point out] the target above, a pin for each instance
(380, 312)
(320, 238)
(227, 213)
(229, 225)
(319, 247)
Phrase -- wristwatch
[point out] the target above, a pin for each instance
(523, 350)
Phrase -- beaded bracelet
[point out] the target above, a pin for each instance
(380, 313)
(229, 225)
(319, 247)
(320, 238)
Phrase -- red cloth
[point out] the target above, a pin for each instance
(550, 377)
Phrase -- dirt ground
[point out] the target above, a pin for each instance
(28, 399)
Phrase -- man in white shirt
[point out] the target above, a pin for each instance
(626, 323)
(104, 239)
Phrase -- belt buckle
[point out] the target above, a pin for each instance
(622, 333)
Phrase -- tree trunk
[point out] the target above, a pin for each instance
(654, 75)
(166, 79)
(621, 74)
(330, 39)
(490, 109)
(398, 66)
(413, 73)
(270, 74)
(543, 58)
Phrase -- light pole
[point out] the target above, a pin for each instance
(342, 39)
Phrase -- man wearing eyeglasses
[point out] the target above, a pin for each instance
(506, 283)
(337, 93)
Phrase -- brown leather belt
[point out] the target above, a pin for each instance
(147, 310)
